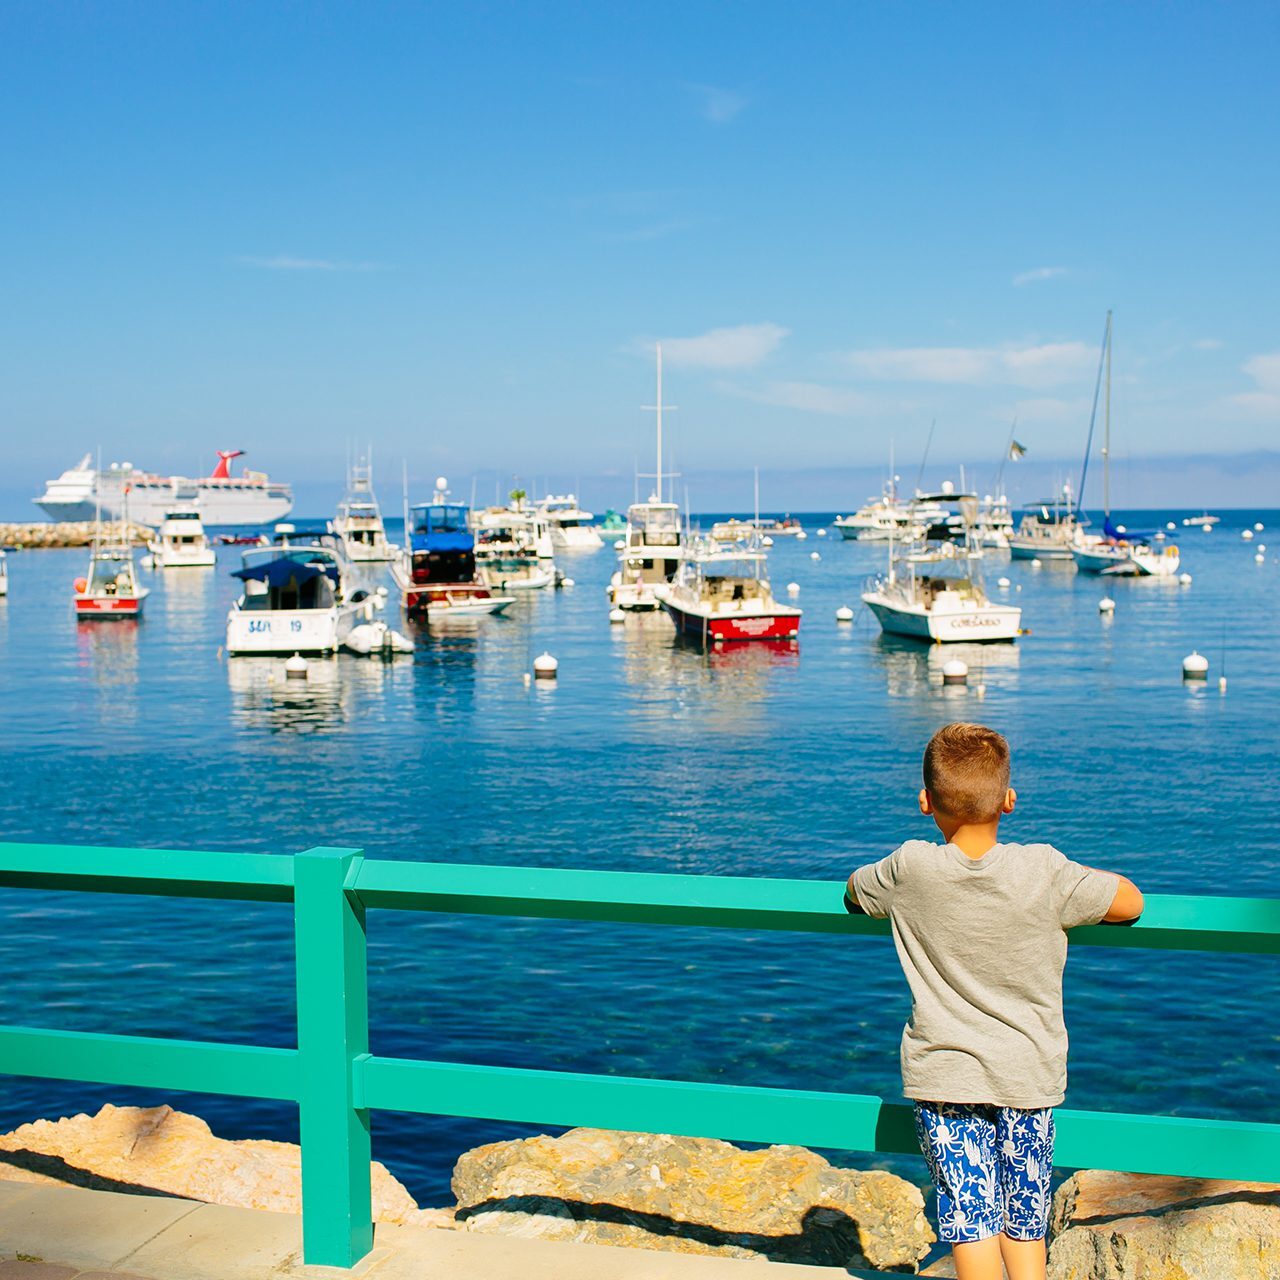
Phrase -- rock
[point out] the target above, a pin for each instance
(691, 1195)
(156, 1150)
(1127, 1226)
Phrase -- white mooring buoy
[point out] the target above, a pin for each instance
(1171, 525)
(1185, 579)
(616, 616)
(1259, 558)
(1247, 534)
(822, 533)
(1003, 583)
(295, 668)
(1195, 667)
(793, 588)
(545, 667)
(955, 672)
(1258, 526)
(1106, 605)
(1035, 563)
(844, 614)
(813, 555)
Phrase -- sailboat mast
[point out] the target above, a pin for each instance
(659, 414)
(1106, 432)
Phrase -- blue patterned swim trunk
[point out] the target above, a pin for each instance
(991, 1167)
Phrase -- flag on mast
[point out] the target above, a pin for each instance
(1016, 450)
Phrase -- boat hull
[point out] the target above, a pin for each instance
(576, 538)
(171, 559)
(290, 630)
(1032, 551)
(778, 624)
(94, 608)
(995, 623)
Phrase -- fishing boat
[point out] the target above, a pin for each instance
(513, 547)
(111, 588)
(570, 526)
(438, 575)
(734, 530)
(1047, 530)
(181, 542)
(359, 520)
(1116, 551)
(932, 590)
(723, 593)
(653, 542)
(302, 594)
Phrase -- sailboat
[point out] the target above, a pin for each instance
(1116, 551)
(653, 543)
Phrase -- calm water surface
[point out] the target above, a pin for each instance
(647, 756)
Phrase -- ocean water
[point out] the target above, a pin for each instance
(648, 755)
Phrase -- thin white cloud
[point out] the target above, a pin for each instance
(285, 262)
(1207, 344)
(1036, 274)
(719, 106)
(807, 397)
(1265, 399)
(1033, 365)
(740, 347)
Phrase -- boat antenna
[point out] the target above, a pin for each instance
(757, 519)
(1106, 439)
(925, 456)
(658, 409)
(1093, 414)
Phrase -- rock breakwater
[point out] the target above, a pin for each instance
(63, 534)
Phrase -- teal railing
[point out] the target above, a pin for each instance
(336, 1082)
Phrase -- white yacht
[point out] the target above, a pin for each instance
(358, 523)
(513, 548)
(916, 598)
(570, 527)
(301, 595)
(181, 542)
(650, 556)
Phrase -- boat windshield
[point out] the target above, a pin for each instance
(440, 518)
(182, 515)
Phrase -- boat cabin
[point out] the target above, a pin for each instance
(182, 529)
(111, 573)
(442, 545)
(289, 578)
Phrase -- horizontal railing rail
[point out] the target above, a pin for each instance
(336, 1082)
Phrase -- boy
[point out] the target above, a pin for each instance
(980, 929)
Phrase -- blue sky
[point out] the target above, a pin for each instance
(456, 230)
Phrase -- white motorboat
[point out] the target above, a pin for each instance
(301, 595)
(359, 520)
(722, 593)
(513, 548)
(653, 543)
(376, 639)
(181, 542)
(1203, 521)
(437, 575)
(570, 526)
(1047, 531)
(85, 492)
(917, 598)
(1117, 551)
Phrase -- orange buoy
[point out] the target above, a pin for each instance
(81, 585)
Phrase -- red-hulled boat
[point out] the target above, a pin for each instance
(723, 594)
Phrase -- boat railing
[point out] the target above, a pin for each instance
(336, 1082)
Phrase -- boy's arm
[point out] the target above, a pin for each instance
(851, 903)
(1126, 905)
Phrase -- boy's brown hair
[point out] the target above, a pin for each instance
(966, 771)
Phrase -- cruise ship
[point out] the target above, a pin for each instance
(85, 493)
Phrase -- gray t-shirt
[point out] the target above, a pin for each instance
(982, 942)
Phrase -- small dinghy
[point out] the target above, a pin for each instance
(376, 639)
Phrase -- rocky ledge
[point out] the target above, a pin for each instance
(688, 1195)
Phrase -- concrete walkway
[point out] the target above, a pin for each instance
(57, 1233)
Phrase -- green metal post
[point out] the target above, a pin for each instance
(333, 1030)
